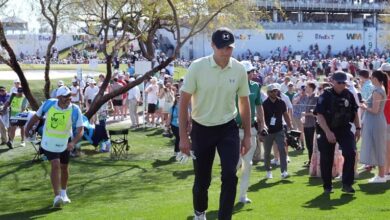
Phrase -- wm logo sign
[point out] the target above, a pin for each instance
(274, 36)
(79, 37)
(354, 36)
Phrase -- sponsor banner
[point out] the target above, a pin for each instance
(269, 41)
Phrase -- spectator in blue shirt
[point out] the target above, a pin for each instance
(130, 69)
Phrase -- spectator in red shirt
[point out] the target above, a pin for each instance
(122, 81)
(386, 68)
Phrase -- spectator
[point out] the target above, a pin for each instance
(53, 93)
(134, 98)
(18, 104)
(117, 100)
(309, 123)
(373, 151)
(274, 111)
(4, 96)
(76, 93)
(152, 98)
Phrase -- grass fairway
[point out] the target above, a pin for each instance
(151, 185)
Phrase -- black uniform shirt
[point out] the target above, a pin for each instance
(274, 109)
(324, 107)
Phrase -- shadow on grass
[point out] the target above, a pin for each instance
(323, 201)
(141, 129)
(260, 167)
(83, 185)
(90, 152)
(101, 163)
(30, 214)
(170, 143)
(183, 174)
(295, 153)
(314, 181)
(365, 175)
(213, 214)
(262, 184)
(22, 165)
(302, 172)
(159, 163)
(156, 132)
(374, 188)
(4, 150)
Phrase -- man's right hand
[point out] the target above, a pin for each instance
(185, 145)
(331, 138)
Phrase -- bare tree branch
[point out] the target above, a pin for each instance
(13, 63)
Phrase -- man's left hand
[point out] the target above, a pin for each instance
(357, 135)
(245, 145)
(70, 146)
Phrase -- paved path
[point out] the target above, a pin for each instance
(39, 74)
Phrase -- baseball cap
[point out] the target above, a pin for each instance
(60, 83)
(290, 84)
(74, 80)
(272, 87)
(385, 67)
(223, 37)
(248, 65)
(364, 73)
(16, 81)
(63, 91)
(340, 77)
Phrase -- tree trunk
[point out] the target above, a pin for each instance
(13, 63)
(46, 89)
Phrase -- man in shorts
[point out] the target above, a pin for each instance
(62, 129)
(17, 104)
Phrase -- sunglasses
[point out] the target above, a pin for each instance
(66, 97)
(341, 83)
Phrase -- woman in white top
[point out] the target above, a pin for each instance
(169, 97)
(152, 98)
(90, 93)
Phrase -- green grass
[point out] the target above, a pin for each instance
(151, 185)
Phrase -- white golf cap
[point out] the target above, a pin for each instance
(63, 91)
(60, 83)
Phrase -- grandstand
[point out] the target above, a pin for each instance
(295, 24)
(300, 24)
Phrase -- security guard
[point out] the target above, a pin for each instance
(335, 109)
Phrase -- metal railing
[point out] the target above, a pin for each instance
(323, 5)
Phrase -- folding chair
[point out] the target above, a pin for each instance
(119, 143)
(35, 142)
(38, 153)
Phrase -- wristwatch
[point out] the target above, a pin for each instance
(358, 128)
